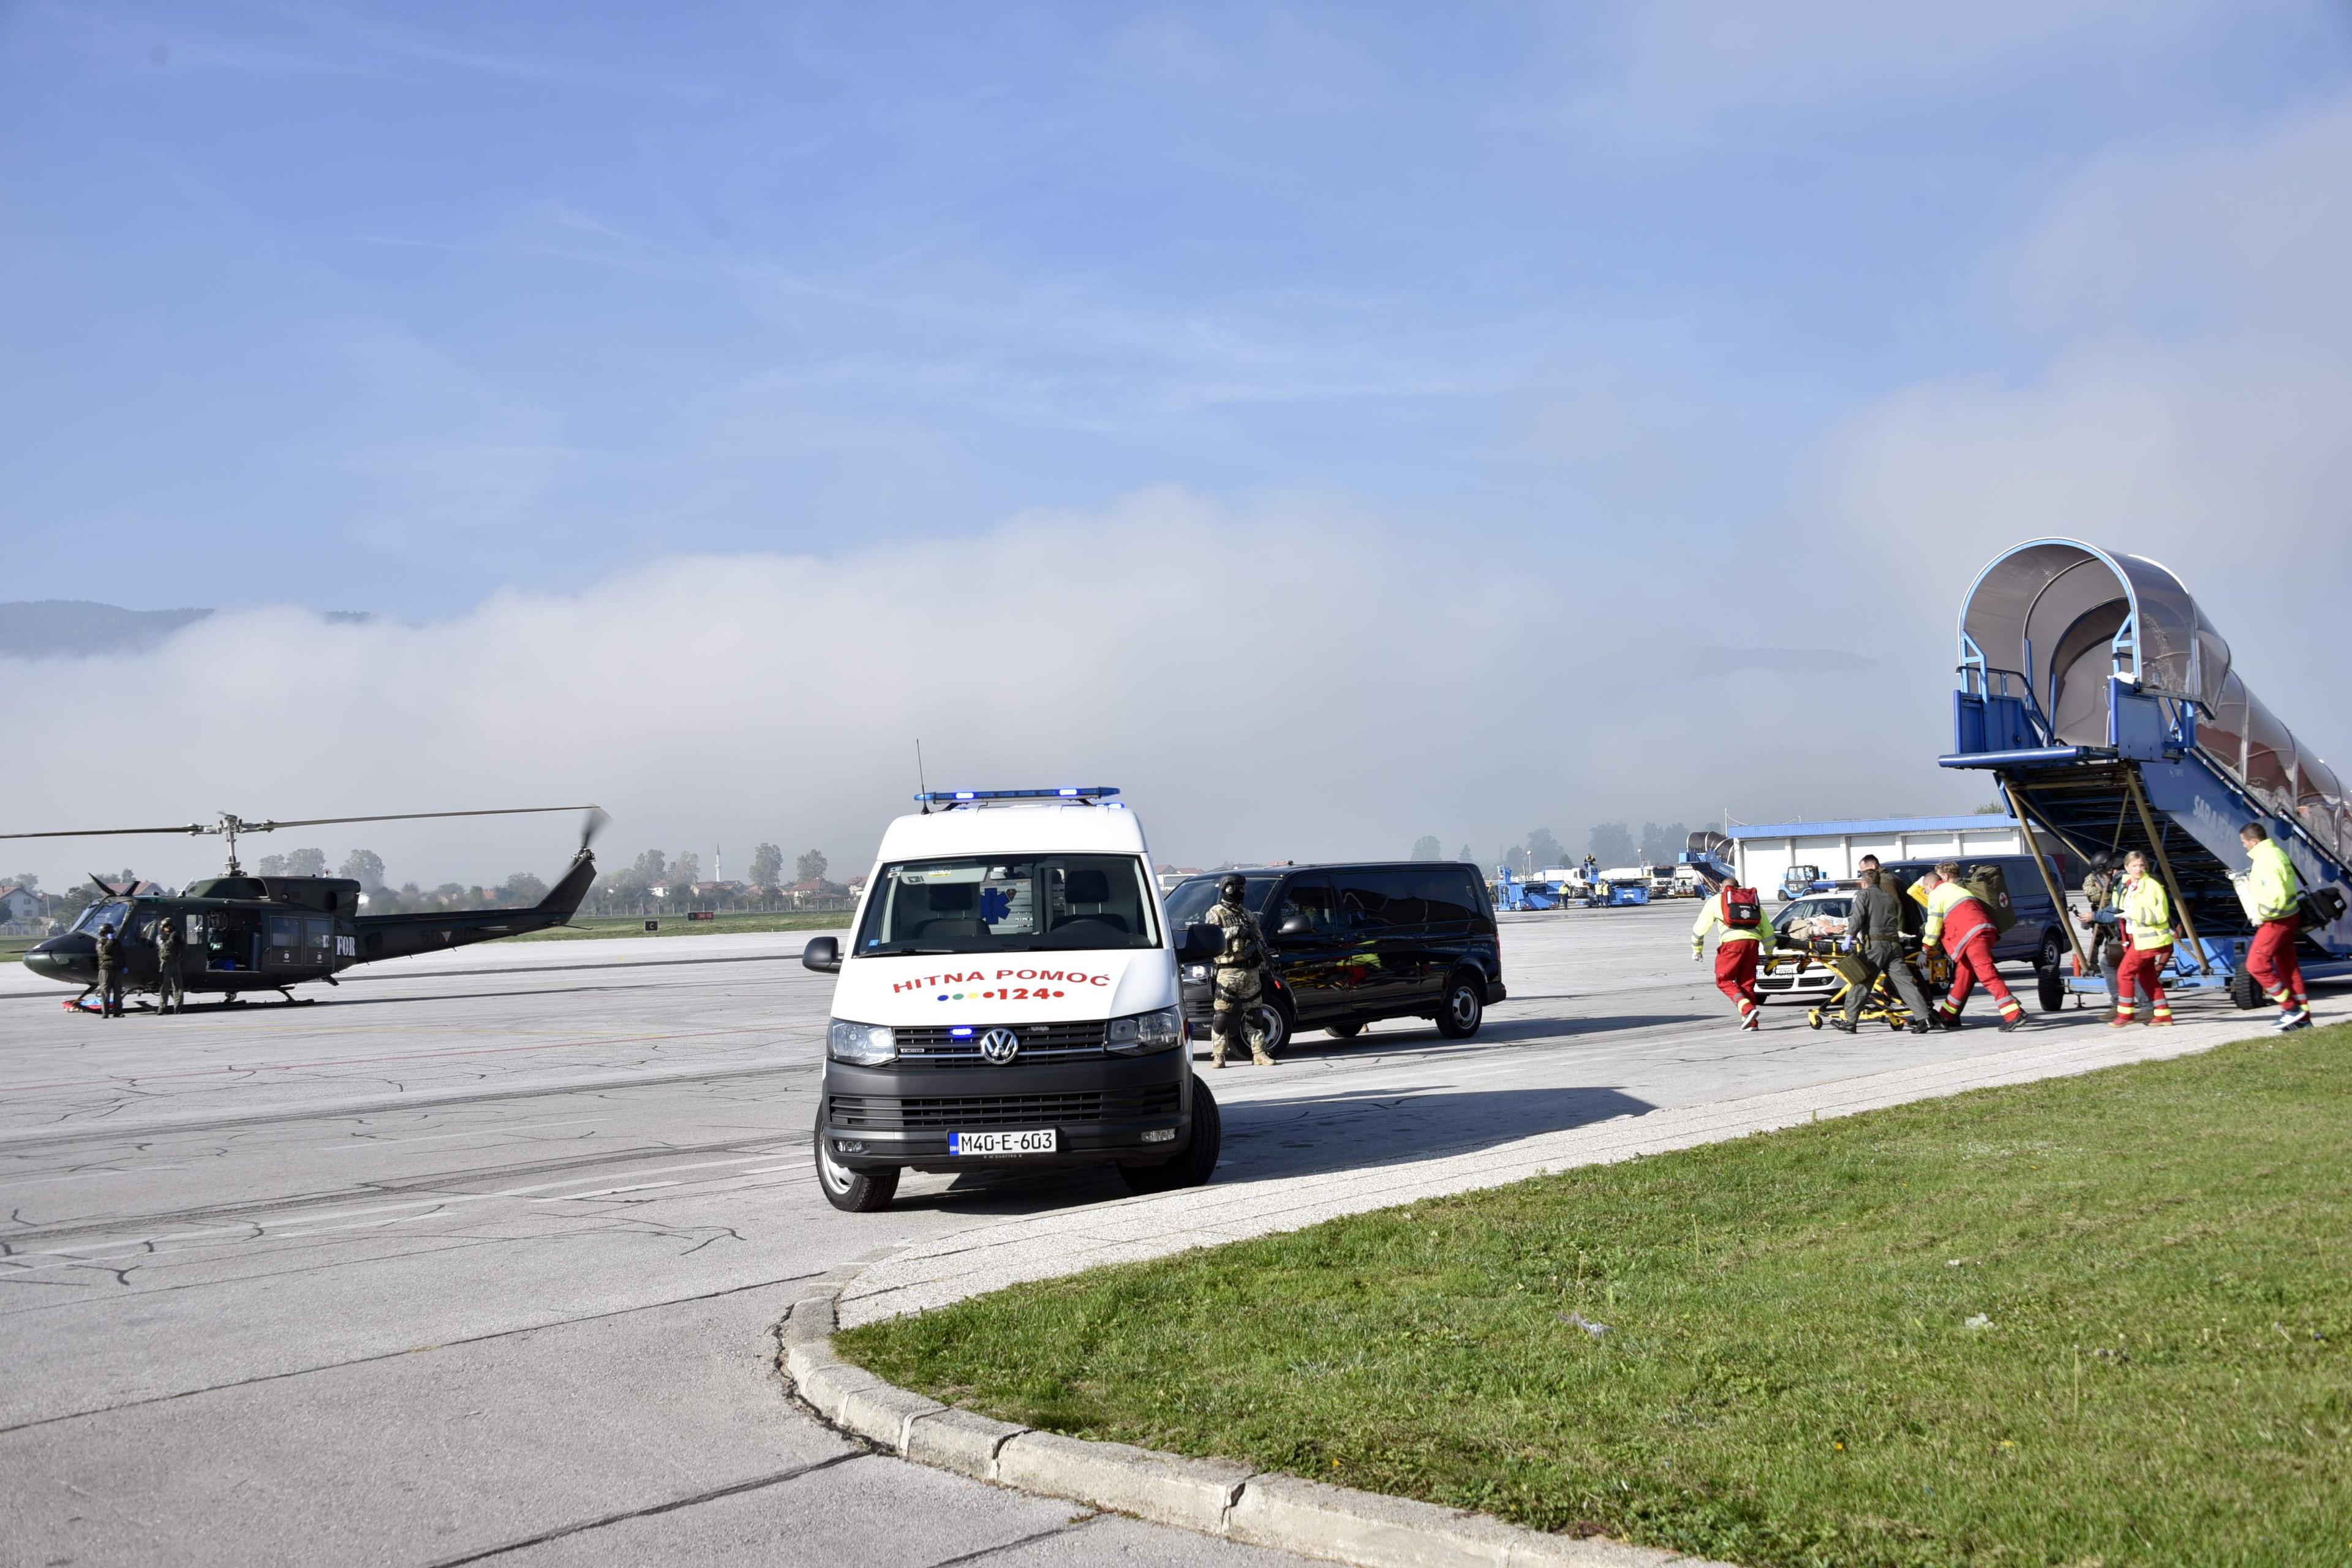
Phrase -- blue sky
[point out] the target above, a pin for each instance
(407, 308)
(389, 307)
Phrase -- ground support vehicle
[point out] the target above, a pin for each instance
(2108, 711)
(1352, 943)
(1010, 1000)
(1523, 894)
(1799, 880)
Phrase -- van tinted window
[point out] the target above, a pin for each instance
(1447, 895)
(1373, 896)
(1310, 897)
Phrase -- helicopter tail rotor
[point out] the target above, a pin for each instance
(590, 826)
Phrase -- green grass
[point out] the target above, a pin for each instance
(591, 928)
(2159, 1254)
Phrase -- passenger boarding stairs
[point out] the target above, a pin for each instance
(2103, 703)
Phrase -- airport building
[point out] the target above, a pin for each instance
(1763, 852)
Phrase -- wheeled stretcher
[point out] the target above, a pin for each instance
(1882, 1005)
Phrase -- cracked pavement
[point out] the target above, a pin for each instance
(477, 1258)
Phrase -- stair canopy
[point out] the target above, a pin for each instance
(2055, 621)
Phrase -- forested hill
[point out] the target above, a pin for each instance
(71, 628)
(76, 628)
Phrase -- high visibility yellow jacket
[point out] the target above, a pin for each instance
(1710, 917)
(2271, 885)
(1952, 902)
(2149, 908)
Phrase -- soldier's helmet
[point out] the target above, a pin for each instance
(1231, 888)
(2103, 861)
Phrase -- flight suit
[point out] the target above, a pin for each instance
(1876, 928)
(110, 973)
(1237, 982)
(170, 995)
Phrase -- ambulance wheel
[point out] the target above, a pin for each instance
(1197, 1163)
(1343, 1031)
(2245, 990)
(2052, 986)
(852, 1191)
(1464, 1007)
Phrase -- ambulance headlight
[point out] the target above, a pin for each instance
(868, 1045)
(1141, 1032)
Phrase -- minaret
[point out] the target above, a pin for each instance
(716, 874)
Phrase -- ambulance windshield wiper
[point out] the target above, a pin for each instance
(908, 952)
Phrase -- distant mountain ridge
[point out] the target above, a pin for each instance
(83, 628)
(77, 629)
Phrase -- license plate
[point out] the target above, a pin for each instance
(1039, 1140)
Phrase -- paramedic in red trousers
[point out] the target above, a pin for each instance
(2148, 944)
(1962, 923)
(1747, 936)
(2273, 895)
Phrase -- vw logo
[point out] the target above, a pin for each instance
(999, 1046)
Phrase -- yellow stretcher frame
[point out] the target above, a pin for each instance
(1882, 1005)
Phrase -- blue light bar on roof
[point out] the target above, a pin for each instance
(954, 796)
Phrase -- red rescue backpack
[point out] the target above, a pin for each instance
(1742, 907)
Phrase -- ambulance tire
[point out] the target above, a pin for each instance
(852, 1191)
(2246, 990)
(2051, 987)
(1197, 1163)
(1464, 1006)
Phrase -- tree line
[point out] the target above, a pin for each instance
(653, 883)
(1609, 843)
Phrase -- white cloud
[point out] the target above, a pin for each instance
(1282, 682)
(1698, 65)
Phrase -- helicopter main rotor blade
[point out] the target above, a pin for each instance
(407, 816)
(196, 828)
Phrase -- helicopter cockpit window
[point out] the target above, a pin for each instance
(108, 913)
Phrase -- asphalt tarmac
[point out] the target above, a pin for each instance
(476, 1259)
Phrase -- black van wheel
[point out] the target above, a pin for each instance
(1343, 1031)
(852, 1191)
(1269, 1025)
(1197, 1163)
(1463, 1009)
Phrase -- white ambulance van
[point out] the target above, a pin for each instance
(1008, 998)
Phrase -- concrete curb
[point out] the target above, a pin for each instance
(1213, 1497)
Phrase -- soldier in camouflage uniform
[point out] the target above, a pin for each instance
(1238, 981)
(2105, 936)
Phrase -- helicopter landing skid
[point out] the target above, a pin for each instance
(293, 1001)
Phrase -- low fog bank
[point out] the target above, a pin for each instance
(1282, 682)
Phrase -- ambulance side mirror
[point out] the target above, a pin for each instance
(823, 955)
(1199, 944)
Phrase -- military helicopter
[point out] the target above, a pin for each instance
(243, 933)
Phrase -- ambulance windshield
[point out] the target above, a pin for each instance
(1047, 903)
